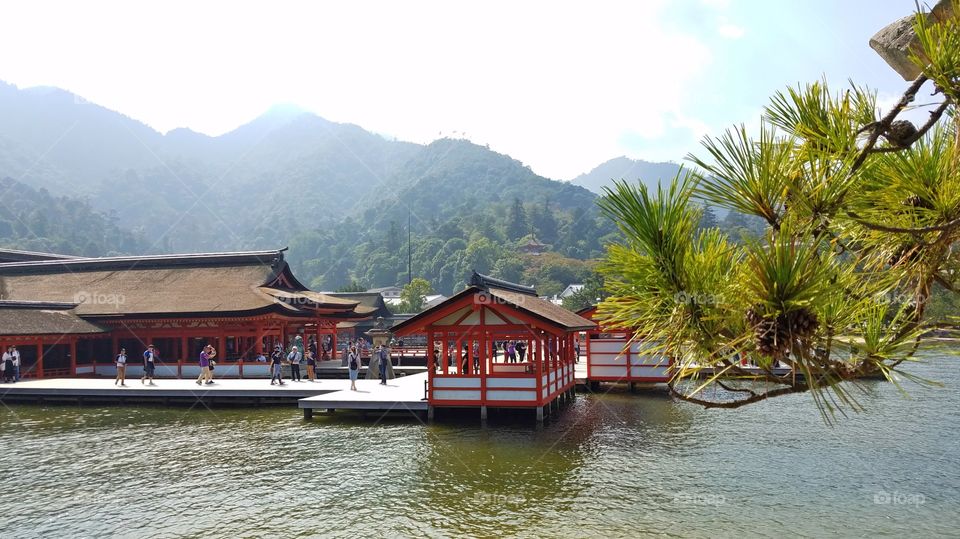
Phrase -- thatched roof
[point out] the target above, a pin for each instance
(41, 318)
(170, 285)
(369, 303)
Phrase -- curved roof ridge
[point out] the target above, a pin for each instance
(271, 257)
(485, 281)
(33, 304)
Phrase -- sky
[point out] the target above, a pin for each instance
(561, 86)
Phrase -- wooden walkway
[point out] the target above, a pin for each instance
(404, 394)
(166, 391)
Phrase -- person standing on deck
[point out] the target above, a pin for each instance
(121, 367)
(16, 363)
(353, 364)
(346, 354)
(512, 352)
(521, 348)
(327, 347)
(384, 358)
(298, 344)
(276, 365)
(206, 356)
(149, 364)
(476, 357)
(294, 358)
(576, 349)
(311, 366)
(8, 370)
(465, 359)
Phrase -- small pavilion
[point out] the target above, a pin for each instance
(616, 355)
(467, 340)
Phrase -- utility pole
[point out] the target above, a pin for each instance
(409, 252)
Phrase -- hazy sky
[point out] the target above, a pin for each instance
(561, 86)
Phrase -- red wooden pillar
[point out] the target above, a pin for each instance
(73, 356)
(482, 350)
(114, 350)
(431, 367)
(184, 355)
(444, 354)
(588, 338)
(39, 366)
(537, 370)
(333, 344)
(629, 357)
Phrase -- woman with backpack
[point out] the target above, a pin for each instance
(276, 365)
(353, 364)
(121, 367)
(311, 366)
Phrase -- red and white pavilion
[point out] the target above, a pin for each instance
(466, 370)
(615, 355)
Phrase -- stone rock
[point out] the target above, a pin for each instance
(895, 42)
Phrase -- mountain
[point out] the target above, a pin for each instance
(627, 169)
(34, 220)
(339, 195)
(51, 138)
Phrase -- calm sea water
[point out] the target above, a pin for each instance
(616, 465)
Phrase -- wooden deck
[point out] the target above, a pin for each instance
(404, 394)
(167, 391)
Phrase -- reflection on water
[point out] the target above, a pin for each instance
(617, 465)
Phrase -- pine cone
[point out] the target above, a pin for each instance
(901, 132)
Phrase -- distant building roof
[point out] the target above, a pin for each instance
(369, 304)
(387, 291)
(241, 283)
(533, 246)
(433, 299)
(570, 290)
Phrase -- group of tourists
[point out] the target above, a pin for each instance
(513, 352)
(10, 366)
(297, 356)
(294, 358)
(353, 361)
(150, 358)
